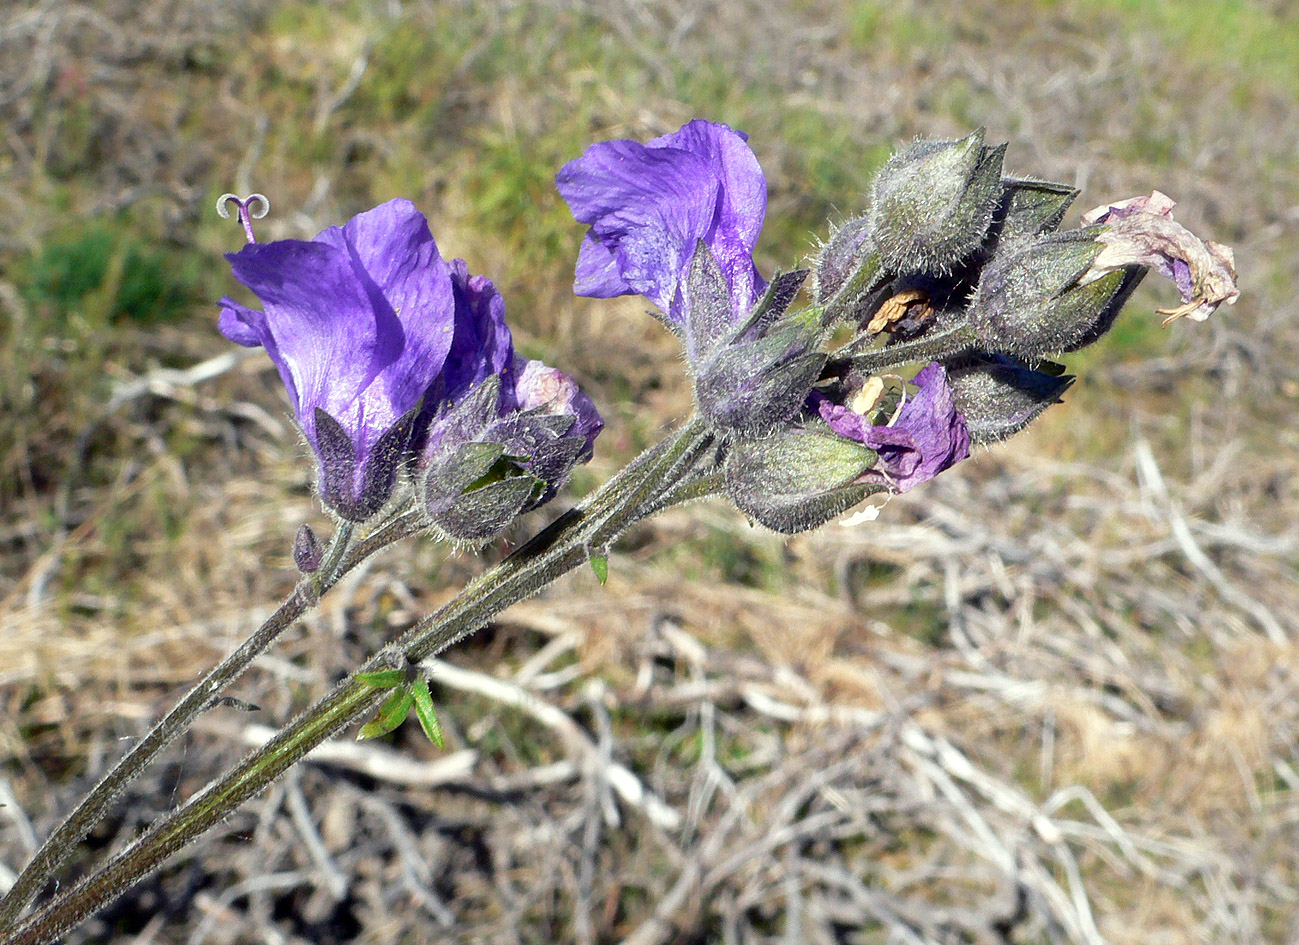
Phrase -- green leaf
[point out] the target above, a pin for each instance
(391, 714)
(599, 564)
(428, 718)
(382, 679)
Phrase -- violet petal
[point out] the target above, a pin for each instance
(648, 205)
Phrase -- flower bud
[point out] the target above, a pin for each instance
(751, 388)
(555, 425)
(482, 512)
(754, 376)
(307, 550)
(472, 492)
(934, 203)
(848, 269)
(839, 258)
(1029, 302)
(797, 479)
(999, 396)
(471, 465)
(502, 451)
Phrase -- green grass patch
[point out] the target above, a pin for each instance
(104, 273)
(1232, 41)
(885, 26)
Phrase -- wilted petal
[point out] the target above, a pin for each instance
(927, 436)
(1141, 231)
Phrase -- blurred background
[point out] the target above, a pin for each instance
(1052, 696)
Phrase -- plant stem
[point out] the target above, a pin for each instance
(63, 841)
(338, 546)
(947, 343)
(627, 498)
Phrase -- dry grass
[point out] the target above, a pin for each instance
(1051, 697)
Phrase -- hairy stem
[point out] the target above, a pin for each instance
(627, 498)
(341, 556)
(940, 344)
(338, 546)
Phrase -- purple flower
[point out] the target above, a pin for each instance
(927, 436)
(649, 205)
(387, 350)
(482, 349)
(481, 345)
(359, 322)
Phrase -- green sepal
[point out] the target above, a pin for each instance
(798, 478)
(391, 714)
(1031, 207)
(428, 718)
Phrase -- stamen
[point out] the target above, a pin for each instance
(250, 208)
(1173, 314)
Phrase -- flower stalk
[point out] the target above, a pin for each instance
(638, 491)
(404, 381)
(63, 841)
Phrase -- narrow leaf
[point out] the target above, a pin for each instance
(599, 564)
(428, 718)
(382, 679)
(391, 714)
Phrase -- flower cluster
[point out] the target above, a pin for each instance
(954, 266)
(955, 287)
(398, 362)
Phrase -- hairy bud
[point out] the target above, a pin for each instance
(848, 270)
(999, 396)
(840, 256)
(482, 512)
(1029, 302)
(751, 388)
(751, 377)
(798, 479)
(484, 466)
(308, 553)
(934, 203)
